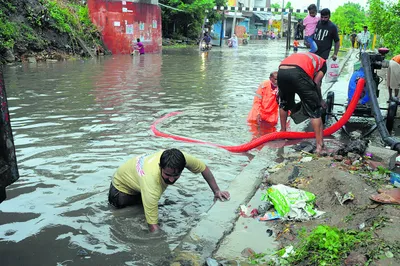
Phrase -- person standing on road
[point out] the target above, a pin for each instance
(143, 179)
(364, 39)
(295, 45)
(326, 32)
(353, 38)
(139, 46)
(393, 77)
(301, 74)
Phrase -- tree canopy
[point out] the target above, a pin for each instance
(385, 20)
(349, 17)
(188, 20)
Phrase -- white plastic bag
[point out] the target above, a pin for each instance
(292, 203)
(332, 73)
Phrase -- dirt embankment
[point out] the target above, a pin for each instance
(46, 29)
(325, 177)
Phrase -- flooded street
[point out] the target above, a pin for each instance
(75, 122)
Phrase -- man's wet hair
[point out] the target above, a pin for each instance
(138, 40)
(174, 159)
(312, 7)
(325, 12)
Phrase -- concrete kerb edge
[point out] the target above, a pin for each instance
(203, 240)
(344, 62)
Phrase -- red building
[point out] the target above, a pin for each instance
(122, 22)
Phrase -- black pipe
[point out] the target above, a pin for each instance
(393, 142)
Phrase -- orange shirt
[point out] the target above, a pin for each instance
(309, 62)
(296, 43)
(265, 104)
(397, 59)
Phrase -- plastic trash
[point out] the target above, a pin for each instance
(211, 262)
(344, 198)
(306, 159)
(395, 179)
(271, 215)
(292, 203)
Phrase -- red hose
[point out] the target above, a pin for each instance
(271, 136)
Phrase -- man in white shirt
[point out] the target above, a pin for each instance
(363, 39)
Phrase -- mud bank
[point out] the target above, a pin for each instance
(46, 30)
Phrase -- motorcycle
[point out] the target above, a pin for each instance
(205, 47)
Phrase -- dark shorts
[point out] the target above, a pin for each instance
(295, 81)
(119, 199)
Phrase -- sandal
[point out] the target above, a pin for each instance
(388, 196)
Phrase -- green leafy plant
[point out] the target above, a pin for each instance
(326, 245)
(382, 170)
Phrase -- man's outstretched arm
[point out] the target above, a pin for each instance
(218, 194)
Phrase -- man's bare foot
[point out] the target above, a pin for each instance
(320, 149)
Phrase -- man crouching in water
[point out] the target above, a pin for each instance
(143, 179)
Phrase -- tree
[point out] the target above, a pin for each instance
(188, 16)
(289, 5)
(385, 21)
(276, 5)
(349, 17)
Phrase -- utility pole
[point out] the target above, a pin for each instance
(283, 6)
(233, 23)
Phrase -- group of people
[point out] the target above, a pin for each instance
(299, 73)
(143, 179)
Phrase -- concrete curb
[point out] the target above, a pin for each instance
(203, 240)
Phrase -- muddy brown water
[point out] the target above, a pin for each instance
(75, 122)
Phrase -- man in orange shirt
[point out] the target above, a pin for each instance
(393, 77)
(301, 73)
(264, 113)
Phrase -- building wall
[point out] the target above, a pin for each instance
(122, 22)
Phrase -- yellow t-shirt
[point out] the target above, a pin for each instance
(142, 175)
(397, 59)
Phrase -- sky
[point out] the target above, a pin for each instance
(331, 4)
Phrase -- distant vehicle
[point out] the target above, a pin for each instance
(205, 47)
(8, 161)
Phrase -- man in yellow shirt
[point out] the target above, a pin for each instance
(143, 179)
(393, 77)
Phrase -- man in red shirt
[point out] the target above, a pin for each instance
(301, 74)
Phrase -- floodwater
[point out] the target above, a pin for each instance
(75, 122)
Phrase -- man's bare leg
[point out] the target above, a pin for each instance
(318, 130)
(283, 117)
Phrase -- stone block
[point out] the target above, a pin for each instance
(385, 156)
